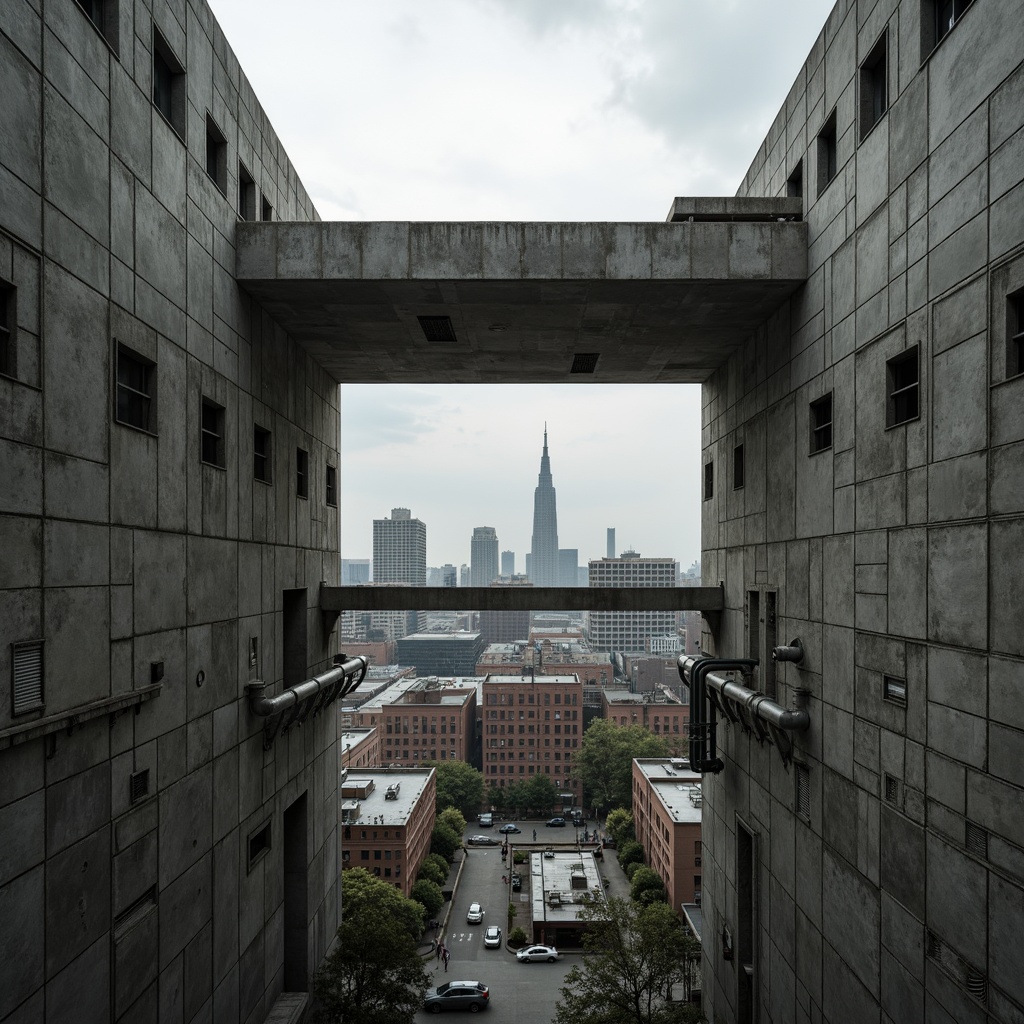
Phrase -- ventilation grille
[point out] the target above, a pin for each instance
(957, 968)
(803, 791)
(27, 690)
(138, 785)
(977, 840)
(438, 330)
(892, 789)
(584, 362)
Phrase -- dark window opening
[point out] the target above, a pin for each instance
(261, 454)
(754, 625)
(246, 193)
(795, 182)
(104, 16)
(894, 690)
(827, 157)
(212, 434)
(821, 424)
(135, 390)
(259, 843)
(169, 92)
(902, 376)
(874, 87)
(771, 640)
(709, 480)
(747, 925)
(332, 486)
(737, 467)
(216, 155)
(8, 338)
(301, 473)
(1015, 334)
(266, 210)
(938, 18)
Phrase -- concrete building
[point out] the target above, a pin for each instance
(568, 567)
(505, 625)
(667, 805)
(387, 816)
(610, 546)
(531, 725)
(542, 564)
(441, 654)
(628, 632)
(423, 719)
(355, 571)
(400, 549)
(483, 556)
(508, 563)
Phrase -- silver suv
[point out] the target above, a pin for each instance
(457, 995)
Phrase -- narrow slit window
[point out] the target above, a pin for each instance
(827, 152)
(821, 424)
(212, 434)
(301, 473)
(795, 181)
(266, 210)
(104, 16)
(903, 377)
(1015, 334)
(709, 480)
(169, 89)
(261, 454)
(135, 390)
(874, 87)
(8, 337)
(259, 844)
(947, 14)
(246, 193)
(216, 155)
(332, 486)
(737, 467)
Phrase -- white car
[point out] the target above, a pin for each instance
(492, 937)
(475, 915)
(530, 953)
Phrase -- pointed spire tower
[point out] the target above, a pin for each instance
(544, 549)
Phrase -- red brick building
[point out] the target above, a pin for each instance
(660, 712)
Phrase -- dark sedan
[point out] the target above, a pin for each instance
(510, 828)
(556, 823)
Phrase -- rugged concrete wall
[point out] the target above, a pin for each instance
(896, 552)
(121, 549)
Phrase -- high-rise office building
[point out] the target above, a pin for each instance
(508, 563)
(400, 549)
(543, 565)
(628, 631)
(568, 567)
(611, 542)
(355, 571)
(449, 575)
(483, 556)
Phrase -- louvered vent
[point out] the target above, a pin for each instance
(977, 840)
(957, 968)
(138, 785)
(803, 791)
(584, 362)
(28, 676)
(438, 330)
(892, 789)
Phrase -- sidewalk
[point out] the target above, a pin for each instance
(450, 885)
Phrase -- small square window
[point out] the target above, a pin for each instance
(874, 86)
(135, 390)
(8, 334)
(246, 193)
(169, 88)
(104, 16)
(821, 424)
(795, 182)
(261, 454)
(216, 155)
(709, 480)
(212, 434)
(737, 467)
(1015, 334)
(902, 381)
(266, 210)
(894, 690)
(827, 152)
(301, 473)
(332, 486)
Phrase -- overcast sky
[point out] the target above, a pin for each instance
(521, 110)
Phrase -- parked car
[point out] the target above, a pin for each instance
(528, 954)
(457, 995)
(486, 819)
(517, 882)
(492, 937)
(510, 828)
(483, 841)
(556, 823)
(475, 914)
(549, 851)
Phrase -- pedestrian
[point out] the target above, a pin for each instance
(447, 957)
(440, 950)
(504, 879)
(433, 945)
(535, 835)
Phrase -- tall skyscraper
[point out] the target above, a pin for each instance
(568, 567)
(483, 556)
(508, 563)
(611, 542)
(400, 549)
(543, 567)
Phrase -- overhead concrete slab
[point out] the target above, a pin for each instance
(520, 302)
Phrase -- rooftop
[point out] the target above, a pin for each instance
(452, 691)
(551, 884)
(359, 809)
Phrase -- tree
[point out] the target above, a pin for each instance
(630, 852)
(604, 762)
(638, 952)
(429, 894)
(454, 820)
(515, 797)
(374, 975)
(647, 886)
(440, 862)
(459, 785)
(496, 797)
(444, 840)
(432, 873)
(619, 825)
(539, 793)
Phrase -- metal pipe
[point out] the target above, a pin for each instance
(694, 671)
(294, 695)
(793, 719)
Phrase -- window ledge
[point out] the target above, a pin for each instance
(138, 430)
(72, 718)
(903, 423)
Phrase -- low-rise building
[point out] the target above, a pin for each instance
(667, 802)
(387, 816)
(441, 654)
(660, 711)
(360, 748)
(564, 657)
(561, 884)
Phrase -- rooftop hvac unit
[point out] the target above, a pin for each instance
(393, 791)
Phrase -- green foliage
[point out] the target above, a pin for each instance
(453, 818)
(630, 852)
(518, 856)
(631, 869)
(459, 785)
(647, 886)
(374, 974)
(429, 894)
(439, 861)
(444, 841)
(515, 797)
(513, 910)
(432, 873)
(496, 797)
(517, 937)
(619, 825)
(636, 953)
(539, 793)
(604, 762)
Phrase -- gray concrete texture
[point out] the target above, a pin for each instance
(893, 553)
